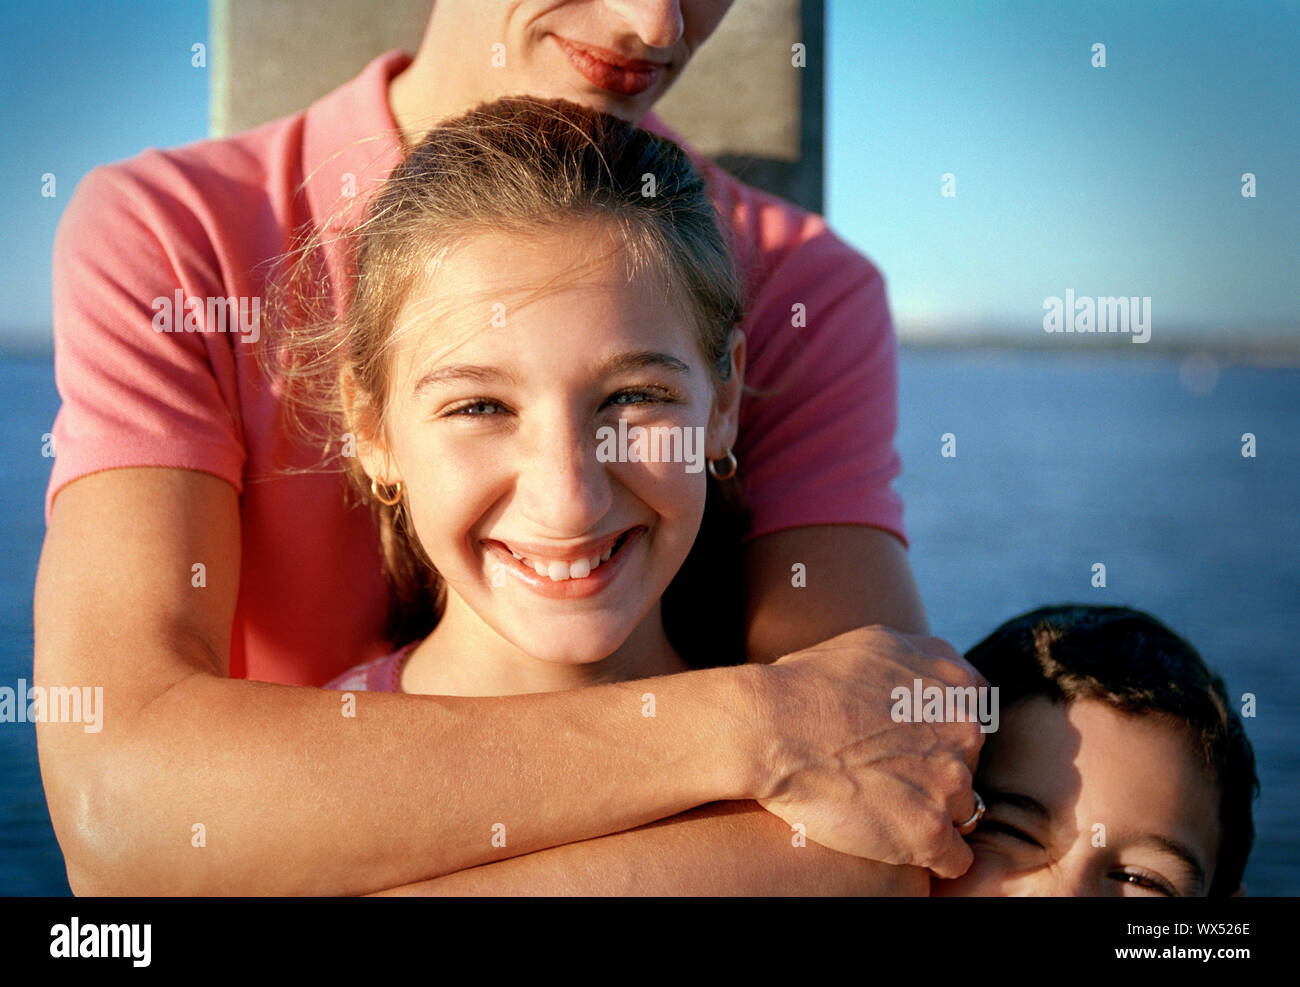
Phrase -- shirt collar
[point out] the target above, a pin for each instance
(351, 143)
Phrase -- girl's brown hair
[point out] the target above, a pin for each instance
(519, 165)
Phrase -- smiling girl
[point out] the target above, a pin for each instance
(533, 276)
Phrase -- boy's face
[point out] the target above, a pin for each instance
(1086, 801)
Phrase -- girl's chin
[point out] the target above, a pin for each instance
(571, 645)
(568, 660)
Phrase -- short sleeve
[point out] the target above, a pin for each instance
(817, 441)
(132, 395)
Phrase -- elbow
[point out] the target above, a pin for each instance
(83, 834)
(103, 847)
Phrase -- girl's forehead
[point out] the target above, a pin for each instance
(504, 281)
(489, 271)
(563, 331)
(574, 243)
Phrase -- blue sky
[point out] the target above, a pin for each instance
(1122, 180)
(84, 82)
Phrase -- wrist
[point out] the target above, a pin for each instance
(750, 733)
(722, 736)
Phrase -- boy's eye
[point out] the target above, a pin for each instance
(989, 827)
(1146, 881)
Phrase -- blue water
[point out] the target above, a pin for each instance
(1063, 459)
(30, 862)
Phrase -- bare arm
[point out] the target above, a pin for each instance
(855, 576)
(284, 787)
(286, 791)
(728, 848)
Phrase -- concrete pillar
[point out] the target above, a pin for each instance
(742, 101)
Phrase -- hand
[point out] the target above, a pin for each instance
(860, 782)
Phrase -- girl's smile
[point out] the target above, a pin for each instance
(562, 574)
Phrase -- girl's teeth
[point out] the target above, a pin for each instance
(560, 571)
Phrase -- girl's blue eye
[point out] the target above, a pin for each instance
(485, 407)
(475, 408)
(640, 397)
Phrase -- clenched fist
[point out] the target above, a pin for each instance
(860, 782)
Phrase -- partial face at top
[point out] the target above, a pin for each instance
(1086, 801)
(618, 56)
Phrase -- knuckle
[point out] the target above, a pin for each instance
(941, 650)
(949, 672)
(970, 738)
(947, 775)
(866, 634)
(934, 828)
(956, 777)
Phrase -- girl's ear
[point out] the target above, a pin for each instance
(724, 422)
(367, 434)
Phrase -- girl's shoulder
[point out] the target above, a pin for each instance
(379, 675)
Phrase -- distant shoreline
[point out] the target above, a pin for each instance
(1272, 350)
(1281, 351)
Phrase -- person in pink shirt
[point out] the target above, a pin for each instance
(201, 569)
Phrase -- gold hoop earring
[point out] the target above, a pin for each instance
(374, 489)
(730, 464)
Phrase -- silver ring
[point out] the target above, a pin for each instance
(969, 825)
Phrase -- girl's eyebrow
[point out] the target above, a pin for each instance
(641, 360)
(623, 363)
(463, 371)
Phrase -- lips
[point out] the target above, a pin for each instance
(559, 566)
(611, 71)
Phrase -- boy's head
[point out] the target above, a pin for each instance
(1120, 766)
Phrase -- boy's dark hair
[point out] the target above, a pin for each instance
(1134, 663)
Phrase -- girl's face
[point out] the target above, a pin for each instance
(523, 354)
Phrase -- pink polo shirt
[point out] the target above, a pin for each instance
(142, 236)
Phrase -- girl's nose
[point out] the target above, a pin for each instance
(562, 489)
